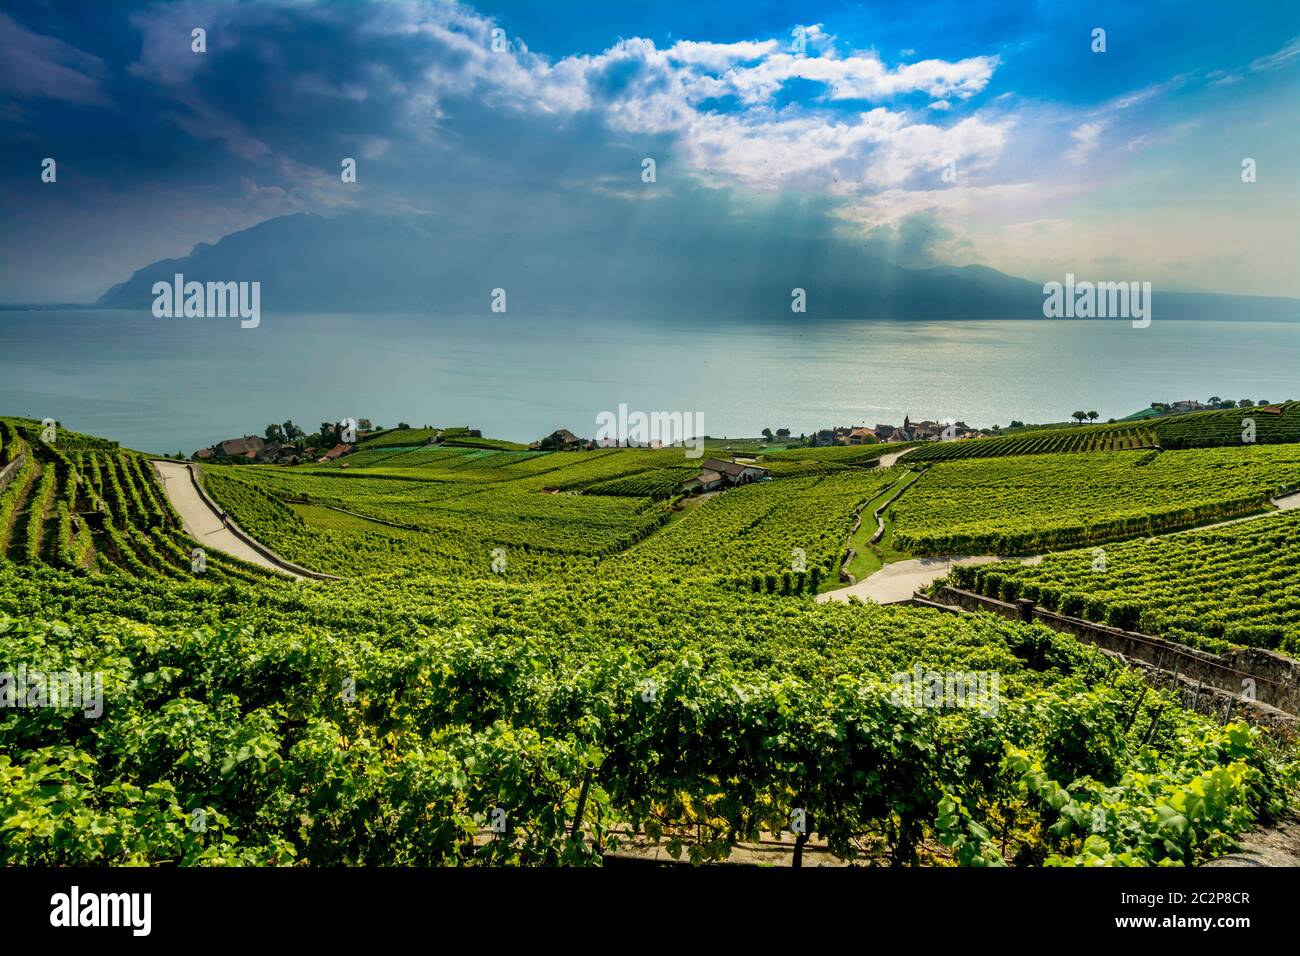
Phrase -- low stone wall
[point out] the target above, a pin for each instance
(1276, 678)
(880, 524)
(11, 469)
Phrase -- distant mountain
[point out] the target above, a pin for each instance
(363, 262)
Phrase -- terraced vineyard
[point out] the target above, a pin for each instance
(47, 510)
(1085, 438)
(1227, 426)
(1036, 503)
(1213, 429)
(1237, 584)
(773, 536)
(455, 528)
(656, 661)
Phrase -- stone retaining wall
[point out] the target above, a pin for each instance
(11, 469)
(1276, 678)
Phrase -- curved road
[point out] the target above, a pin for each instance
(887, 460)
(897, 582)
(202, 524)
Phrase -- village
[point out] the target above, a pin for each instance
(287, 444)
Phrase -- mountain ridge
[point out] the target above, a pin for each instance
(370, 262)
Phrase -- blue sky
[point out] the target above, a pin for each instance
(1122, 165)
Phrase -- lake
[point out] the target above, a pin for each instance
(181, 384)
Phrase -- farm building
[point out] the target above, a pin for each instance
(735, 472)
(704, 481)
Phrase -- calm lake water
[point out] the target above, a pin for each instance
(169, 384)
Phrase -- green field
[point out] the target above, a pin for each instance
(516, 628)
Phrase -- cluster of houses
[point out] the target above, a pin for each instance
(908, 431)
(254, 449)
(257, 450)
(718, 473)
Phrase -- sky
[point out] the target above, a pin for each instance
(931, 132)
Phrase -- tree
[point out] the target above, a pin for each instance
(1016, 423)
(767, 433)
(1215, 400)
(328, 433)
(1262, 401)
(1245, 403)
(403, 425)
(1093, 416)
(783, 433)
(274, 433)
(1079, 416)
(291, 431)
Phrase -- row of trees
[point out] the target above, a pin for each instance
(286, 433)
(331, 433)
(1218, 402)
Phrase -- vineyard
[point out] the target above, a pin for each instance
(1231, 585)
(1036, 503)
(340, 724)
(65, 489)
(1227, 426)
(1085, 438)
(544, 639)
(1212, 429)
(775, 536)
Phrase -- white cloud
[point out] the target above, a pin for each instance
(633, 88)
(1086, 138)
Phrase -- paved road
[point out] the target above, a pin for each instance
(202, 523)
(893, 456)
(897, 581)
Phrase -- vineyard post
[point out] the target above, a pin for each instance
(576, 832)
(1152, 729)
(1115, 671)
(1133, 716)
